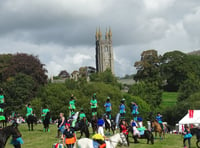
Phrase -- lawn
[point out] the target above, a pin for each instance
(169, 99)
(39, 139)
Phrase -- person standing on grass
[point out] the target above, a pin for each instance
(187, 136)
(61, 125)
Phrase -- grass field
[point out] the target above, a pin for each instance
(169, 99)
(39, 139)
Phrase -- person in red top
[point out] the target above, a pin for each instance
(124, 129)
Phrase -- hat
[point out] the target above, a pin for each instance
(108, 98)
(123, 99)
(81, 108)
(68, 124)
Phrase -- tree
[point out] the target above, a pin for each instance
(149, 92)
(148, 67)
(18, 90)
(26, 64)
(174, 69)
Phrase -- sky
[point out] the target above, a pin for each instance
(62, 32)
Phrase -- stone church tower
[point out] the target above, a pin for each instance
(104, 51)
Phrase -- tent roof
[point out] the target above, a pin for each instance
(194, 120)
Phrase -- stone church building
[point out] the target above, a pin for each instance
(104, 51)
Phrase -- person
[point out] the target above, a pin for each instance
(29, 110)
(135, 126)
(93, 103)
(69, 136)
(124, 129)
(45, 110)
(72, 106)
(134, 110)
(108, 107)
(159, 119)
(122, 108)
(98, 141)
(2, 101)
(100, 124)
(17, 141)
(82, 114)
(187, 136)
(61, 125)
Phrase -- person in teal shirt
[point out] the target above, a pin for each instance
(29, 110)
(122, 109)
(108, 107)
(72, 106)
(2, 101)
(93, 104)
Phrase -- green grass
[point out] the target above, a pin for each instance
(169, 99)
(39, 139)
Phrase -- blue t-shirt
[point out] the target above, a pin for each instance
(100, 122)
(159, 119)
(122, 108)
(108, 105)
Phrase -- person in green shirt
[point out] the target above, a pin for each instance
(2, 101)
(93, 104)
(45, 110)
(29, 110)
(82, 114)
(72, 106)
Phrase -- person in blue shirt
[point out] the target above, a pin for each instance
(108, 107)
(122, 109)
(159, 119)
(100, 124)
(135, 112)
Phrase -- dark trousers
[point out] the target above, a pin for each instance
(184, 140)
(108, 113)
(70, 145)
(17, 146)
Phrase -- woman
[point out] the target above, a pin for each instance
(124, 129)
(135, 126)
(69, 136)
(93, 103)
(108, 107)
(122, 108)
(187, 136)
(72, 106)
(61, 126)
(134, 110)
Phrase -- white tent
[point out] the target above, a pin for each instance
(187, 120)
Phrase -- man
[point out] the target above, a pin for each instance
(82, 114)
(93, 103)
(2, 101)
(108, 107)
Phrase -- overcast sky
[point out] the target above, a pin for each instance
(62, 32)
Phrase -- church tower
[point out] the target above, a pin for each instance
(104, 51)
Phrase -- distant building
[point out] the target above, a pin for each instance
(64, 74)
(86, 71)
(75, 75)
(104, 51)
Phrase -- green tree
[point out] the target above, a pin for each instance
(174, 69)
(148, 67)
(150, 92)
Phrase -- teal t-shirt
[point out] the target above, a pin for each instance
(94, 103)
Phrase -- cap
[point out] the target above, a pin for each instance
(108, 97)
(67, 124)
